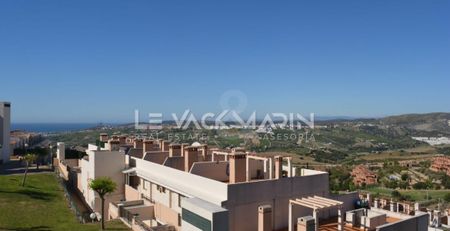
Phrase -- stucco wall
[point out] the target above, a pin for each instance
(167, 215)
(156, 157)
(176, 162)
(349, 200)
(244, 199)
(417, 223)
(254, 166)
(102, 164)
(131, 194)
(211, 170)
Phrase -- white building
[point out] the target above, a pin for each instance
(101, 163)
(98, 162)
(433, 140)
(5, 128)
(180, 187)
(194, 188)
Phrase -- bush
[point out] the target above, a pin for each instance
(420, 185)
(396, 194)
(447, 197)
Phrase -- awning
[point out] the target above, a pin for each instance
(130, 170)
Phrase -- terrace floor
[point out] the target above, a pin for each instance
(332, 225)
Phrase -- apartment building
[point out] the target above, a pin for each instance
(101, 163)
(193, 187)
(5, 128)
(441, 164)
(170, 186)
(21, 138)
(363, 176)
(98, 162)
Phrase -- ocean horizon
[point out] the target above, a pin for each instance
(52, 127)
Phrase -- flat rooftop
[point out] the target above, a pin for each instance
(332, 224)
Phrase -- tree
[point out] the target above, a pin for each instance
(403, 184)
(447, 197)
(405, 177)
(396, 194)
(29, 159)
(420, 185)
(41, 153)
(102, 186)
(445, 179)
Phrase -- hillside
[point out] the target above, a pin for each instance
(432, 124)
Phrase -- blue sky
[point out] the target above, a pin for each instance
(97, 61)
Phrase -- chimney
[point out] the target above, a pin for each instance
(376, 203)
(265, 218)
(159, 142)
(104, 137)
(308, 223)
(164, 145)
(60, 151)
(114, 145)
(204, 150)
(130, 140)
(190, 156)
(183, 147)
(278, 167)
(148, 145)
(138, 144)
(123, 140)
(393, 206)
(174, 150)
(238, 167)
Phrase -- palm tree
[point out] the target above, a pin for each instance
(103, 186)
(29, 159)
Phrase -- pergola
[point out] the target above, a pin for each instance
(268, 166)
(317, 204)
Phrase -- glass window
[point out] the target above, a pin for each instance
(196, 220)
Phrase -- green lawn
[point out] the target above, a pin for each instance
(416, 195)
(40, 206)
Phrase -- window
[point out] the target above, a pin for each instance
(144, 184)
(161, 189)
(196, 220)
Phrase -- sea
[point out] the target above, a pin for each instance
(52, 127)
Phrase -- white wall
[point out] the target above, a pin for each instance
(102, 164)
(5, 129)
(61, 151)
(182, 182)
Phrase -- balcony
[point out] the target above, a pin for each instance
(138, 215)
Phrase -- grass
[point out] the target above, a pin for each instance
(39, 206)
(415, 195)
